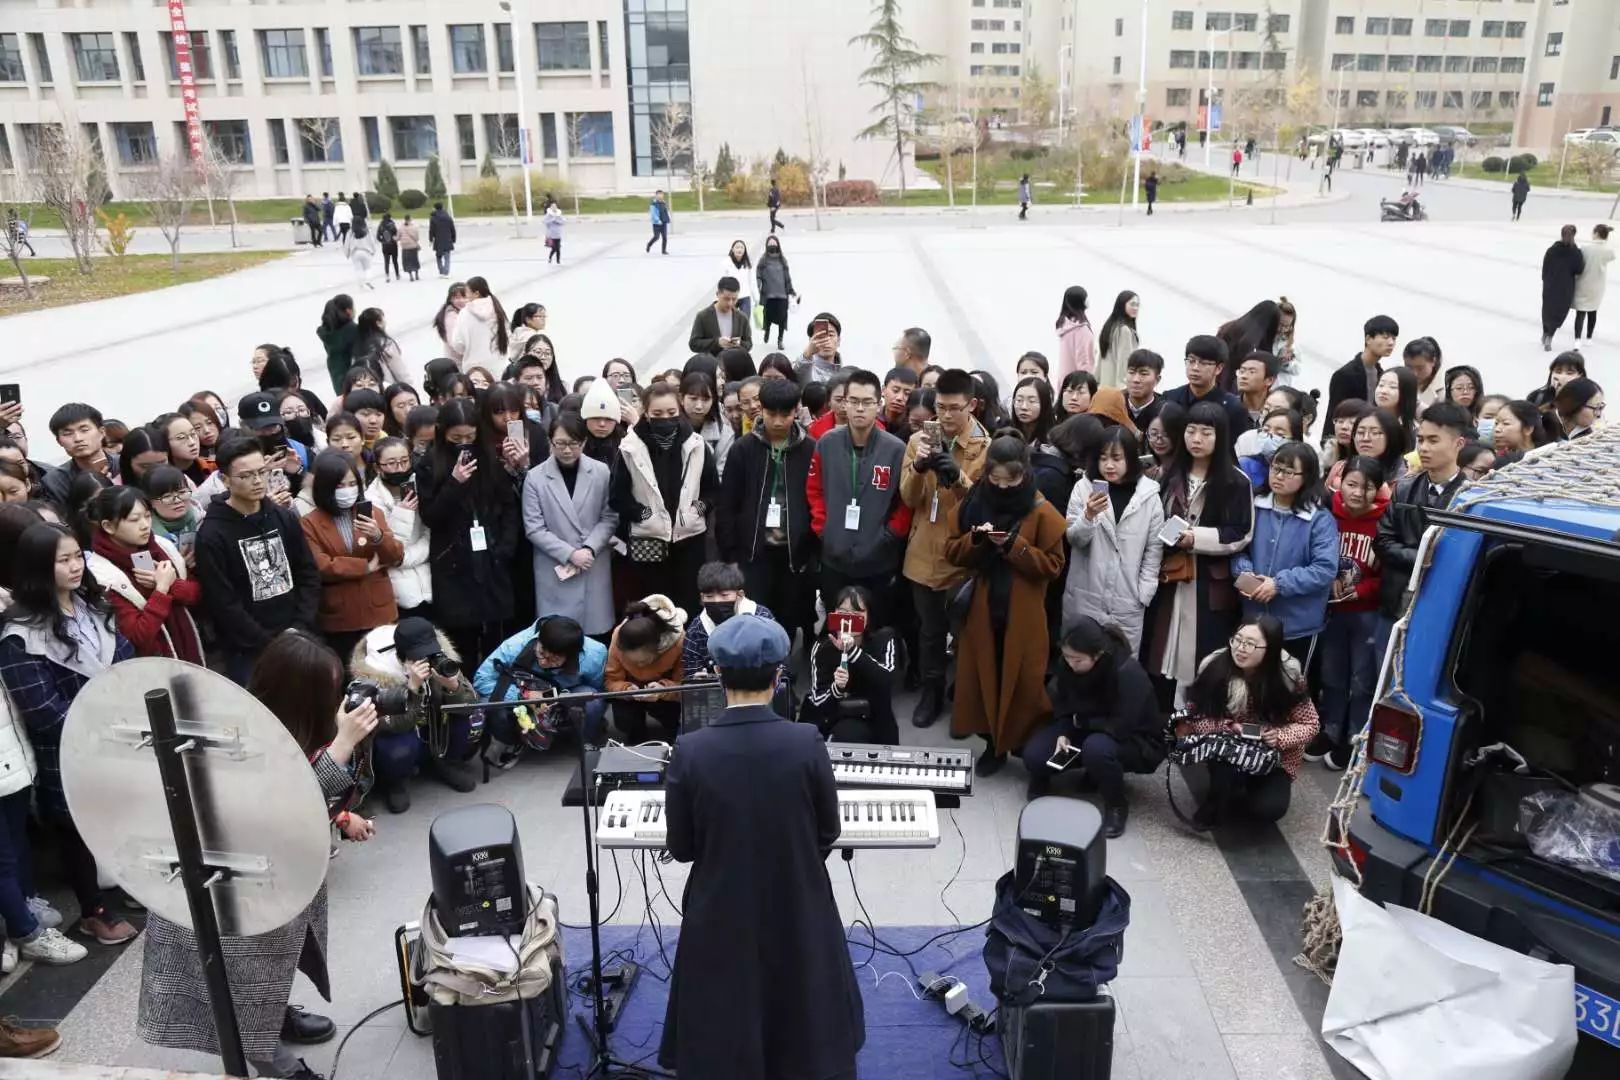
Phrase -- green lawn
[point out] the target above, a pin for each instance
(119, 276)
(1544, 175)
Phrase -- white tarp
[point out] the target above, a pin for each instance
(1415, 998)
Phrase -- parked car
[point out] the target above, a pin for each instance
(1421, 136)
(1594, 137)
(1505, 641)
(1454, 133)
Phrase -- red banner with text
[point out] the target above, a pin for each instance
(188, 78)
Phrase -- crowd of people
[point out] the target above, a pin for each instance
(1057, 568)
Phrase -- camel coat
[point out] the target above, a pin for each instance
(1010, 705)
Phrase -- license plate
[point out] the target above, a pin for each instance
(1598, 1015)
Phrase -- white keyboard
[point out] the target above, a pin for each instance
(868, 819)
(929, 777)
(943, 771)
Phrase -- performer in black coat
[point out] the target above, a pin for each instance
(1560, 267)
(763, 987)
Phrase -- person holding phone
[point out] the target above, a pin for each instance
(353, 547)
(144, 575)
(852, 671)
(570, 524)
(1289, 568)
(645, 654)
(1114, 519)
(1105, 719)
(393, 494)
(821, 357)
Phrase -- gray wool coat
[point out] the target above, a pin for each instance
(558, 524)
(174, 1009)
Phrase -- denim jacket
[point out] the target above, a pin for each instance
(1300, 551)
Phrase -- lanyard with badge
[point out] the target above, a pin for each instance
(852, 512)
(773, 512)
(476, 537)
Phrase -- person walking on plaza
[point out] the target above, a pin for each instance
(342, 217)
(1077, 342)
(554, 234)
(658, 215)
(1150, 184)
(1237, 158)
(1560, 267)
(773, 203)
(360, 246)
(312, 219)
(410, 248)
(388, 239)
(1590, 284)
(1024, 198)
(328, 209)
(442, 237)
(775, 283)
(1521, 191)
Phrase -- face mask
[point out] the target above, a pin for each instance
(664, 427)
(394, 479)
(1269, 443)
(533, 414)
(301, 429)
(1487, 429)
(346, 497)
(719, 611)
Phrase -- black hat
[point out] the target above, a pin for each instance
(827, 316)
(415, 639)
(258, 411)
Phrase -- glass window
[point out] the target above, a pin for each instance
(1458, 28)
(1555, 44)
(231, 139)
(1244, 21)
(6, 160)
(1342, 61)
(1278, 24)
(602, 54)
(320, 139)
(1276, 61)
(1485, 64)
(977, 24)
(137, 143)
(1218, 20)
(1513, 65)
(658, 56)
(466, 145)
(1481, 99)
(202, 60)
(548, 136)
(1515, 29)
(1177, 96)
(1182, 58)
(1400, 27)
(976, 48)
(233, 59)
(420, 50)
(1378, 26)
(503, 47)
(1181, 20)
(42, 57)
(563, 46)
(1507, 99)
(415, 137)
(1395, 99)
(467, 53)
(1614, 67)
(1451, 99)
(132, 46)
(323, 43)
(1429, 63)
(1544, 94)
(279, 150)
(1116, 65)
(373, 138)
(501, 135)
(96, 57)
(1400, 63)
(11, 62)
(1366, 99)
(282, 53)
(1456, 63)
(1434, 28)
(1491, 28)
(1426, 99)
(1243, 61)
(1344, 24)
(1119, 27)
(378, 50)
(1370, 62)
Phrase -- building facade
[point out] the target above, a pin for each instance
(1573, 79)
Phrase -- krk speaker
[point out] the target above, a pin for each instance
(476, 861)
(1062, 861)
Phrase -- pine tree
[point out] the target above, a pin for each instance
(387, 182)
(895, 63)
(781, 158)
(724, 166)
(433, 181)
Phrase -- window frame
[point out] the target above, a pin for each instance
(278, 54)
(375, 56)
(556, 50)
(90, 63)
(463, 50)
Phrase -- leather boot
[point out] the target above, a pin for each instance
(928, 704)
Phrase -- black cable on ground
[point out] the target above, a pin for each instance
(370, 1016)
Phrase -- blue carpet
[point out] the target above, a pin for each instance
(906, 1039)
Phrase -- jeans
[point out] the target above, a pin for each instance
(660, 234)
(631, 716)
(1101, 756)
(933, 623)
(16, 866)
(395, 757)
(774, 223)
(314, 234)
(1349, 672)
(442, 259)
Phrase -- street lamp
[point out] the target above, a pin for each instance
(523, 128)
(1141, 111)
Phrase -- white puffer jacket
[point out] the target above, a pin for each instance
(412, 579)
(1114, 566)
(475, 340)
(16, 752)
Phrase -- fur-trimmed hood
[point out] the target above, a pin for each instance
(673, 618)
(374, 657)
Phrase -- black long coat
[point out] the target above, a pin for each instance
(471, 588)
(763, 987)
(1560, 267)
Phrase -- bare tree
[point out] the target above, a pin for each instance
(814, 142)
(14, 206)
(168, 193)
(71, 181)
(950, 134)
(574, 125)
(322, 133)
(507, 145)
(672, 136)
(220, 177)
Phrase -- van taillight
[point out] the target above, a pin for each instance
(1358, 854)
(1395, 734)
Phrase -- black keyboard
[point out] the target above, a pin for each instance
(918, 768)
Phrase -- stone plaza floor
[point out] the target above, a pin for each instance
(1208, 988)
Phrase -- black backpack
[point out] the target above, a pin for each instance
(1031, 961)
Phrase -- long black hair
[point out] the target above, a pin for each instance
(338, 312)
(1272, 696)
(1008, 450)
(300, 679)
(1116, 319)
(1042, 424)
(1407, 405)
(1074, 306)
(459, 287)
(478, 287)
(1394, 438)
(1108, 648)
(33, 584)
(1222, 477)
(1472, 373)
(1121, 437)
(987, 394)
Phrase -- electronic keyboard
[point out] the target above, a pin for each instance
(932, 768)
(868, 819)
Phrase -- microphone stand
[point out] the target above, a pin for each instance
(603, 1017)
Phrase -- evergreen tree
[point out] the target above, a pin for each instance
(387, 182)
(896, 60)
(433, 181)
(724, 166)
(781, 158)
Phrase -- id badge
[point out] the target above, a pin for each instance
(933, 509)
(476, 536)
(852, 516)
(773, 515)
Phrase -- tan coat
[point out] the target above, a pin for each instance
(354, 595)
(1009, 705)
(931, 527)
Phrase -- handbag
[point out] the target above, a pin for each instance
(648, 549)
(1248, 756)
(1176, 567)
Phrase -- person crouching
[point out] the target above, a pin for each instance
(645, 653)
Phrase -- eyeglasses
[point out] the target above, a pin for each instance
(172, 497)
(1246, 645)
(1474, 472)
(943, 408)
(1286, 474)
(565, 444)
(1199, 361)
(860, 403)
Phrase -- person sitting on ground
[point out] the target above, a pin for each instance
(552, 656)
(852, 668)
(1105, 719)
(1253, 682)
(645, 653)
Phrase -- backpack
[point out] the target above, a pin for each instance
(1029, 960)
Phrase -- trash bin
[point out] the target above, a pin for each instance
(300, 231)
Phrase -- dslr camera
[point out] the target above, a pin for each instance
(389, 701)
(443, 666)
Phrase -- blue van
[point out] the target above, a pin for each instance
(1512, 635)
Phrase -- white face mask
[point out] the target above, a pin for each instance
(346, 497)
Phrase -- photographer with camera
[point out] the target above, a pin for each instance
(549, 658)
(645, 653)
(407, 671)
(852, 674)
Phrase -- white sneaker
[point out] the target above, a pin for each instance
(8, 957)
(44, 914)
(52, 947)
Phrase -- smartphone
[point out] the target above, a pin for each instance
(466, 455)
(935, 433)
(628, 395)
(820, 326)
(515, 431)
(1099, 487)
(273, 445)
(1170, 535)
(1246, 583)
(10, 393)
(1250, 731)
(362, 508)
(278, 480)
(1062, 759)
(141, 560)
(409, 486)
(846, 622)
(1147, 461)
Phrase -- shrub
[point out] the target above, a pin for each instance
(1494, 164)
(433, 181)
(742, 188)
(850, 193)
(387, 182)
(795, 184)
(377, 202)
(1521, 163)
(120, 232)
(486, 195)
(411, 199)
(725, 167)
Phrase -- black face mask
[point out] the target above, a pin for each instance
(394, 479)
(719, 611)
(1003, 500)
(664, 427)
(302, 429)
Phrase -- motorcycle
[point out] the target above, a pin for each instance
(1406, 208)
